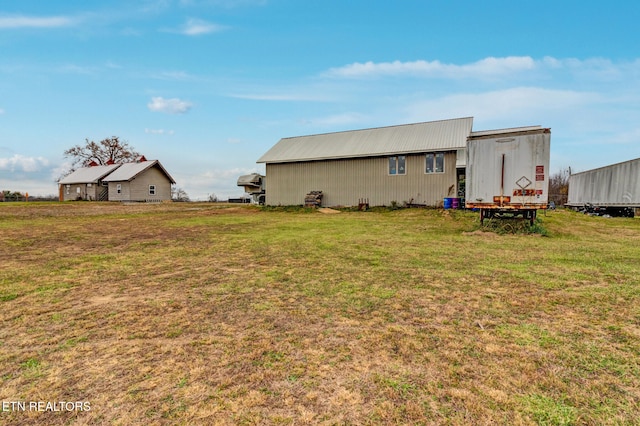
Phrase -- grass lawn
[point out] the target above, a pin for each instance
(216, 314)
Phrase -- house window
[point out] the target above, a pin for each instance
(435, 162)
(68, 187)
(397, 165)
(119, 188)
(152, 190)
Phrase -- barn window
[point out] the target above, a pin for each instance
(119, 188)
(435, 162)
(152, 190)
(397, 165)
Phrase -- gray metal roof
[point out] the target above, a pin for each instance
(128, 171)
(254, 179)
(88, 174)
(504, 131)
(442, 135)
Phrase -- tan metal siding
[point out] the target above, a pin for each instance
(344, 182)
(87, 192)
(73, 191)
(140, 186)
(113, 191)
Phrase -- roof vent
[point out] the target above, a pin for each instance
(110, 162)
(92, 164)
(141, 159)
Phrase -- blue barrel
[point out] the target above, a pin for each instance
(448, 202)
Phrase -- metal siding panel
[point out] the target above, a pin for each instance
(522, 153)
(140, 186)
(344, 182)
(124, 194)
(617, 184)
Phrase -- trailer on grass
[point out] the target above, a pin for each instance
(611, 190)
(254, 185)
(507, 172)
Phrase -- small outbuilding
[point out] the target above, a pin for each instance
(140, 181)
(420, 163)
(86, 183)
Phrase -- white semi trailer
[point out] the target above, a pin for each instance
(507, 172)
(612, 190)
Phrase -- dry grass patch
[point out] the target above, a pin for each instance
(196, 314)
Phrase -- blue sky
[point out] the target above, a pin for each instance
(208, 86)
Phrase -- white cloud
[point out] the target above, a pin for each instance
(1, 111)
(169, 106)
(596, 69)
(195, 27)
(22, 163)
(515, 104)
(486, 67)
(61, 169)
(159, 131)
(21, 21)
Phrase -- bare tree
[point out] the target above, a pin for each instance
(559, 186)
(109, 150)
(179, 194)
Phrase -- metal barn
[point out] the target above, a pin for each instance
(420, 163)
